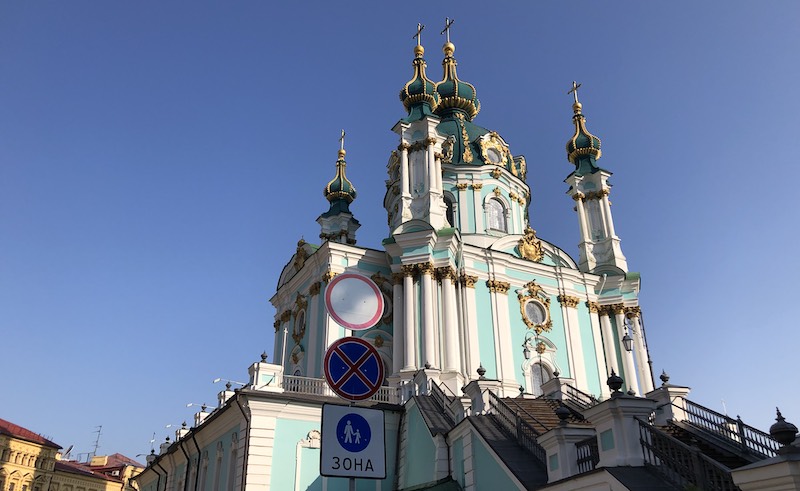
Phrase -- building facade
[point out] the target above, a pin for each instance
(509, 364)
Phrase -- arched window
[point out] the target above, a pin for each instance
(449, 211)
(497, 215)
(539, 375)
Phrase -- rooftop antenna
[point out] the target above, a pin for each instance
(99, 432)
(68, 452)
(153, 443)
(724, 407)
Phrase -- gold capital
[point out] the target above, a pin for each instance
(568, 301)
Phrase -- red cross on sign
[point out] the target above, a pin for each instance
(353, 369)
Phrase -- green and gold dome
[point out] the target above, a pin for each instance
(339, 192)
(455, 95)
(419, 94)
(582, 144)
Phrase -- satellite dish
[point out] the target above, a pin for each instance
(69, 450)
(354, 301)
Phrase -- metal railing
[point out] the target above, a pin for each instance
(319, 387)
(588, 454)
(750, 440)
(579, 398)
(680, 464)
(516, 427)
(445, 401)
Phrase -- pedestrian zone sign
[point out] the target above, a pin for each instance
(353, 442)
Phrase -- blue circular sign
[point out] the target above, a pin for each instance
(353, 368)
(353, 432)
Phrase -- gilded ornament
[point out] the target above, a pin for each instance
(497, 286)
(378, 341)
(513, 196)
(397, 278)
(462, 186)
(425, 268)
(579, 196)
(568, 301)
(295, 359)
(633, 312)
(286, 315)
(541, 347)
(300, 255)
(315, 288)
(497, 191)
(447, 150)
(445, 272)
(617, 308)
(403, 146)
(328, 276)
(496, 173)
(277, 325)
(300, 303)
(535, 293)
(467, 156)
(477, 186)
(522, 165)
(530, 247)
(594, 307)
(430, 141)
(468, 281)
(409, 270)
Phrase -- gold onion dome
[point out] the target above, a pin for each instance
(340, 189)
(455, 94)
(420, 89)
(582, 142)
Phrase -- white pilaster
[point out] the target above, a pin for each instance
(602, 369)
(428, 328)
(452, 360)
(627, 356)
(643, 367)
(609, 346)
(404, 172)
(569, 312)
(478, 206)
(314, 307)
(504, 354)
(472, 350)
(410, 324)
(398, 336)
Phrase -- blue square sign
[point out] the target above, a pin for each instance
(353, 442)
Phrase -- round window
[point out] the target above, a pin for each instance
(535, 312)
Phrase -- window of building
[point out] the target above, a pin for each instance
(497, 215)
(449, 211)
(539, 375)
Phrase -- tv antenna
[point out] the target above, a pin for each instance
(99, 432)
(68, 452)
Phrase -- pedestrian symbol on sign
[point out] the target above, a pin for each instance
(353, 432)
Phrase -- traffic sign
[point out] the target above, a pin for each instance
(354, 301)
(353, 442)
(353, 368)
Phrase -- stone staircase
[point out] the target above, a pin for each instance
(540, 413)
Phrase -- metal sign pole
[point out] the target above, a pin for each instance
(352, 484)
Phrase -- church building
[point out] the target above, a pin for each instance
(508, 363)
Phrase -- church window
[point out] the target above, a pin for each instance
(539, 375)
(449, 211)
(535, 312)
(497, 215)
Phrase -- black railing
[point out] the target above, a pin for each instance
(443, 399)
(579, 398)
(680, 464)
(516, 427)
(588, 454)
(750, 440)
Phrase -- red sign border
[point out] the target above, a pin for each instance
(378, 294)
(370, 350)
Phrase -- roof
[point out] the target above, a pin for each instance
(118, 460)
(73, 467)
(16, 431)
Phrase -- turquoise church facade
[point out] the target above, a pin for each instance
(478, 308)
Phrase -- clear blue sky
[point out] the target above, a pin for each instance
(160, 160)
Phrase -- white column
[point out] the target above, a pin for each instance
(506, 371)
(472, 349)
(643, 367)
(452, 360)
(439, 185)
(404, 174)
(602, 369)
(463, 209)
(606, 207)
(478, 207)
(426, 281)
(409, 320)
(569, 309)
(609, 346)
(313, 354)
(431, 163)
(397, 323)
(627, 356)
(582, 220)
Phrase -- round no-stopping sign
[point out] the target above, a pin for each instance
(354, 301)
(353, 369)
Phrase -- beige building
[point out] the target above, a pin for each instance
(31, 462)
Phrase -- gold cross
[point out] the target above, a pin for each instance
(574, 90)
(418, 35)
(447, 23)
(341, 141)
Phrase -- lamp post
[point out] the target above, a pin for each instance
(539, 347)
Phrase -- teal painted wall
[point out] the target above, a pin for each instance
(590, 357)
(287, 434)
(558, 336)
(458, 461)
(488, 473)
(483, 309)
(421, 454)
